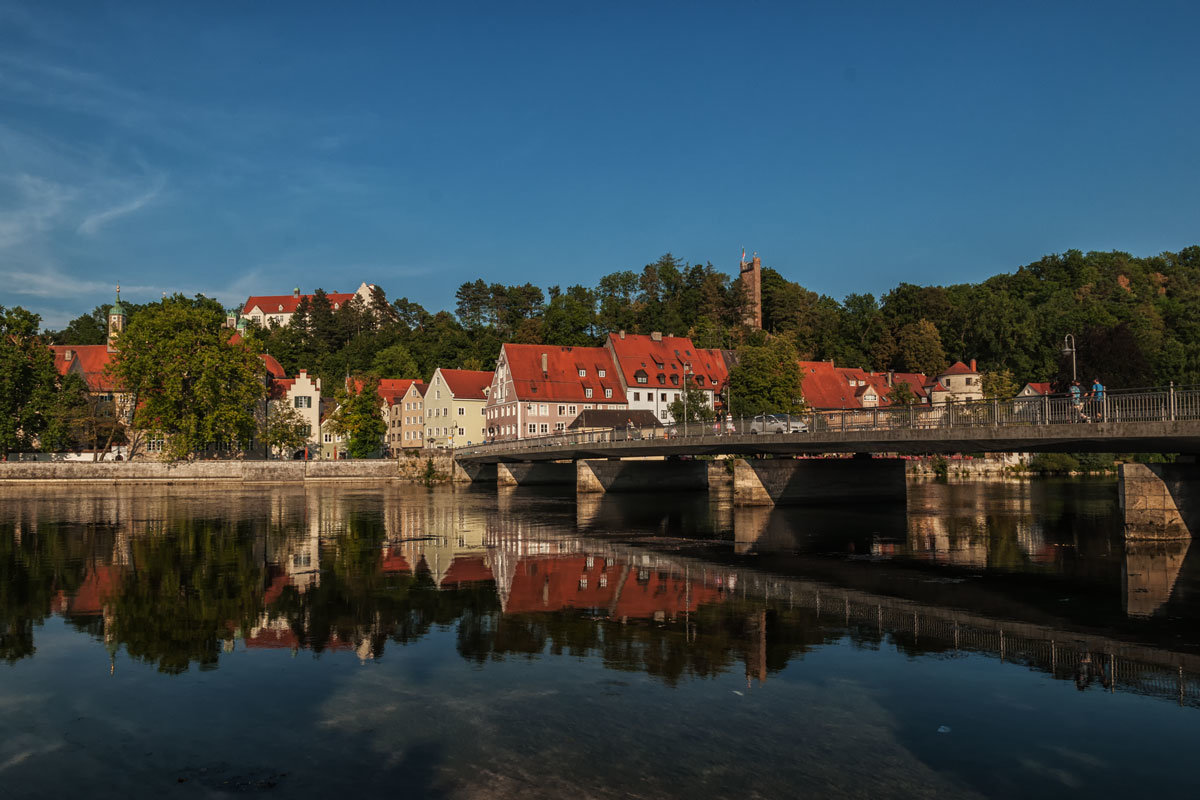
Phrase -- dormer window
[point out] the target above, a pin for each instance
(601, 373)
(281, 306)
(608, 392)
(582, 372)
(587, 392)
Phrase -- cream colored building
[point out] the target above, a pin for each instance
(303, 395)
(454, 407)
(410, 408)
(278, 309)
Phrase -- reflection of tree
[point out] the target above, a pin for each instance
(34, 568)
(187, 589)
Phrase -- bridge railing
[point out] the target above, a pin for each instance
(1161, 404)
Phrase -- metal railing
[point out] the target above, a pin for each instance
(1164, 404)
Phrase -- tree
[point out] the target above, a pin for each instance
(68, 416)
(767, 379)
(193, 387)
(919, 348)
(28, 380)
(698, 409)
(284, 430)
(903, 395)
(395, 362)
(999, 384)
(359, 418)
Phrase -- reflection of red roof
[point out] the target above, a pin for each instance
(99, 584)
(467, 569)
(279, 581)
(286, 303)
(551, 584)
(286, 639)
(89, 361)
(640, 353)
(467, 384)
(561, 380)
(394, 561)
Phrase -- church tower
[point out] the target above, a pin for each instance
(116, 322)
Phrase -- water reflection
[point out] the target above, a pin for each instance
(692, 589)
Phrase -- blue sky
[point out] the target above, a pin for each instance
(238, 148)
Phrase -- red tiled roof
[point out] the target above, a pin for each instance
(957, 368)
(1039, 388)
(392, 389)
(467, 384)
(286, 303)
(639, 352)
(561, 381)
(398, 399)
(89, 361)
(274, 368)
(280, 387)
(826, 386)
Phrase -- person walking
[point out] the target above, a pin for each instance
(1076, 393)
(1097, 399)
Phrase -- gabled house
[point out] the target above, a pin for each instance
(278, 309)
(410, 410)
(455, 403)
(1035, 390)
(539, 389)
(961, 382)
(654, 370)
(303, 394)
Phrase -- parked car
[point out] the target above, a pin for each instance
(778, 423)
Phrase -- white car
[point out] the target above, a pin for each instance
(778, 423)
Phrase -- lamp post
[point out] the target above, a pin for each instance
(1069, 349)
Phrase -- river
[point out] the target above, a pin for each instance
(991, 639)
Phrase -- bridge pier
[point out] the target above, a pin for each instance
(1160, 501)
(600, 475)
(778, 481)
(472, 472)
(535, 473)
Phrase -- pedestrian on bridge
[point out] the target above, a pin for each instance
(1097, 399)
(1076, 393)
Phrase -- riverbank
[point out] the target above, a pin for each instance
(407, 469)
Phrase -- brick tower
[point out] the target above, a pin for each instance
(751, 274)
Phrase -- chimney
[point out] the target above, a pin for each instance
(621, 334)
(891, 376)
(656, 336)
(972, 365)
(545, 366)
(296, 292)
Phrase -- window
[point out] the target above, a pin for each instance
(587, 392)
(636, 396)
(533, 427)
(461, 411)
(582, 372)
(545, 427)
(562, 410)
(664, 397)
(154, 445)
(677, 395)
(608, 392)
(642, 377)
(328, 438)
(531, 408)
(560, 426)
(303, 401)
(571, 409)
(601, 372)
(461, 432)
(308, 430)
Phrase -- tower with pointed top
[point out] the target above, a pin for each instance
(116, 322)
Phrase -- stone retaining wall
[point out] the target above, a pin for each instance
(406, 468)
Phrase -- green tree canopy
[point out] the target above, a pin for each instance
(193, 387)
(359, 418)
(919, 348)
(766, 379)
(28, 380)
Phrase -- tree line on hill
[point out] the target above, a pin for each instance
(1131, 318)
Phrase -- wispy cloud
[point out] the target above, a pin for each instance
(95, 221)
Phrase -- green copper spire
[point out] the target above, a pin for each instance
(117, 307)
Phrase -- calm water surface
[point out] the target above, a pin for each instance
(991, 639)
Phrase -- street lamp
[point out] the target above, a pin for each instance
(687, 370)
(1069, 349)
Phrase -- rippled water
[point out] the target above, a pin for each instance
(992, 639)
